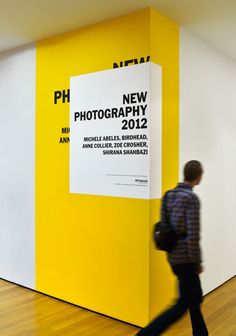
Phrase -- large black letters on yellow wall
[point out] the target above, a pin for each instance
(63, 96)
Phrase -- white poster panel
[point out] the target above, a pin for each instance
(110, 132)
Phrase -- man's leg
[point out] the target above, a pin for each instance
(163, 321)
(198, 323)
(190, 296)
(193, 292)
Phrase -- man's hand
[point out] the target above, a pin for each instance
(199, 269)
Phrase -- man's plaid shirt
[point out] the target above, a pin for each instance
(183, 208)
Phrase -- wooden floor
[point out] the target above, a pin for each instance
(27, 313)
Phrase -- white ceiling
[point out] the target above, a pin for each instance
(25, 21)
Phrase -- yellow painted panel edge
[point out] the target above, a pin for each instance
(165, 51)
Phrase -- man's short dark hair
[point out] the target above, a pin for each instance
(192, 170)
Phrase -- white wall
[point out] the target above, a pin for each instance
(17, 152)
(208, 134)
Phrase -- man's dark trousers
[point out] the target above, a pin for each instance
(190, 297)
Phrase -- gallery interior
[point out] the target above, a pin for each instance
(101, 105)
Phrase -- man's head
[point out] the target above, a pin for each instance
(193, 172)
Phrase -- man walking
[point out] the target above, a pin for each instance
(183, 209)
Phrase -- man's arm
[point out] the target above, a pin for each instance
(193, 231)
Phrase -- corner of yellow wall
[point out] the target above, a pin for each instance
(165, 51)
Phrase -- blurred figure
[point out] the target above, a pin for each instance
(183, 210)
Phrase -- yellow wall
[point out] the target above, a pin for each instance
(91, 250)
(165, 51)
(96, 251)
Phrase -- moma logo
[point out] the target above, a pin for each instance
(145, 181)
